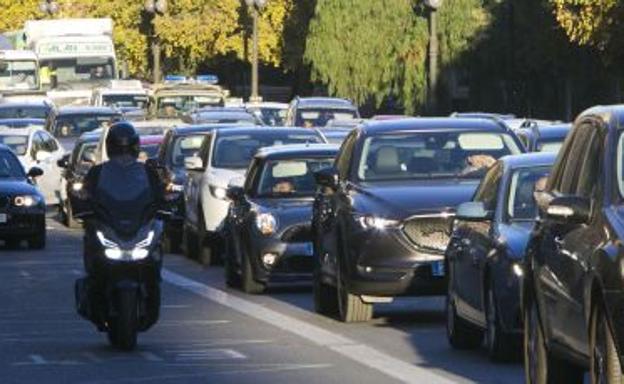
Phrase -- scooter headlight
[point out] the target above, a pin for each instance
(113, 251)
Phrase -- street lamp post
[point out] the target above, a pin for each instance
(433, 53)
(153, 8)
(256, 6)
(49, 7)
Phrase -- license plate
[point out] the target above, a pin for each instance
(3, 218)
(437, 268)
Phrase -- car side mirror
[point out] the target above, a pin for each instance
(473, 211)
(327, 177)
(194, 163)
(34, 172)
(569, 209)
(42, 156)
(63, 162)
(89, 157)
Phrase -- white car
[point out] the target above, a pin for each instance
(225, 154)
(123, 95)
(36, 147)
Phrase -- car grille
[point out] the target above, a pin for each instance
(300, 233)
(431, 233)
(4, 201)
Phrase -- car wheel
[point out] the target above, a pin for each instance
(232, 279)
(248, 283)
(190, 245)
(205, 244)
(605, 365)
(540, 366)
(460, 333)
(38, 241)
(351, 308)
(68, 215)
(501, 345)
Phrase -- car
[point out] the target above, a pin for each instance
(21, 123)
(123, 95)
(175, 98)
(68, 123)
(572, 296)
(311, 112)
(268, 234)
(485, 255)
(39, 109)
(543, 138)
(76, 165)
(270, 113)
(224, 155)
(382, 218)
(221, 116)
(22, 206)
(337, 130)
(36, 147)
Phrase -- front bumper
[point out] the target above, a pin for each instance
(386, 263)
(22, 222)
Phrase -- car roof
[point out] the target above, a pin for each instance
(182, 130)
(324, 102)
(553, 131)
(434, 124)
(266, 104)
(528, 159)
(86, 110)
(17, 121)
(242, 114)
(291, 151)
(484, 115)
(241, 130)
(613, 114)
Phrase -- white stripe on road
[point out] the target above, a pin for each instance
(360, 353)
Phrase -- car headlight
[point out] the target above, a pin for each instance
(374, 222)
(266, 224)
(218, 192)
(26, 200)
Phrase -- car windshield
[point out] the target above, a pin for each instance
(75, 125)
(17, 143)
(521, 203)
(235, 151)
(290, 178)
(270, 116)
(550, 146)
(10, 167)
(18, 75)
(125, 101)
(426, 155)
(84, 152)
(226, 120)
(24, 112)
(185, 146)
(77, 73)
(173, 106)
(319, 117)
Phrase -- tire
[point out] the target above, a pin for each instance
(232, 279)
(68, 216)
(190, 245)
(540, 366)
(123, 331)
(205, 244)
(460, 334)
(351, 308)
(248, 283)
(501, 346)
(325, 296)
(38, 241)
(604, 364)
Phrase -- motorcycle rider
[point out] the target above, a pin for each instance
(125, 187)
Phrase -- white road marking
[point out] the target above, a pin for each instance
(92, 357)
(175, 306)
(177, 323)
(24, 274)
(217, 343)
(40, 360)
(211, 354)
(351, 349)
(149, 356)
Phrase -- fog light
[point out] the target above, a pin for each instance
(269, 259)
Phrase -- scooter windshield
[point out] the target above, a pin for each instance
(124, 194)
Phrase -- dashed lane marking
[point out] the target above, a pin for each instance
(351, 349)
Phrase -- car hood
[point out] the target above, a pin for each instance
(515, 237)
(16, 187)
(398, 199)
(221, 177)
(286, 211)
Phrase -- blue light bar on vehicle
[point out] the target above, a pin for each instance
(207, 79)
(175, 79)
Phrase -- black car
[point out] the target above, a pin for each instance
(68, 123)
(178, 144)
(573, 297)
(485, 254)
(543, 138)
(383, 217)
(22, 206)
(25, 110)
(268, 224)
(75, 166)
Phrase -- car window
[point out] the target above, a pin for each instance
(49, 144)
(186, 146)
(10, 167)
(343, 161)
(590, 166)
(86, 148)
(319, 117)
(290, 178)
(571, 169)
(37, 145)
(521, 204)
(17, 143)
(488, 189)
(76, 125)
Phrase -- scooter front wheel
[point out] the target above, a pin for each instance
(122, 333)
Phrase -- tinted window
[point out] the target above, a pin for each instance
(488, 189)
(17, 143)
(48, 142)
(290, 178)
(185, 146)
(24, 112)
(270, 116)
(82, 153)
(125, 101)
(236, 151)
(76, 125)
(521, 204)
(572, 166)
(343, 161)
(590, 167)
(319, 117)
(429, 155)
(10, 167)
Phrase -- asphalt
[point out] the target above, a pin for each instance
(212, 334)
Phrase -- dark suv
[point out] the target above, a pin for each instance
(382, 218)
(573, 294)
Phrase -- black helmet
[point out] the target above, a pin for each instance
(122, 139)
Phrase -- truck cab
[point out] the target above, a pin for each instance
(19, 73)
